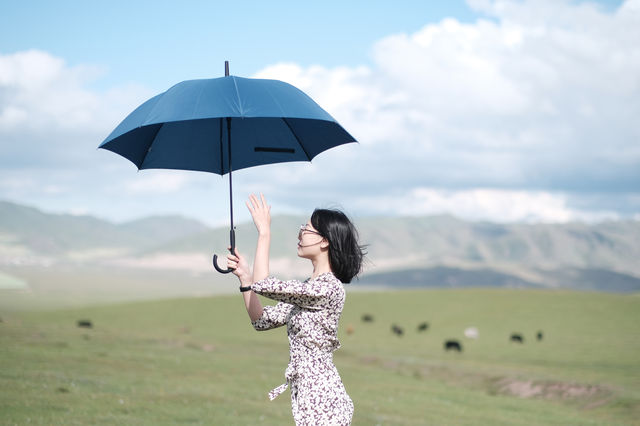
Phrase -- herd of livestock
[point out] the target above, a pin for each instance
(449, 344)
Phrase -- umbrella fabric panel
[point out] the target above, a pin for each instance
(133, 121)
(318, 136)
(186, 145)
(195, 100)
(257, 141)
(223, 97)
(196, 144)
(134, 145)
(274, 98)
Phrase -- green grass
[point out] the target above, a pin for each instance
(198, 361)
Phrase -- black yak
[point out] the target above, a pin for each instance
(516, 337)
(85, 323)
(452, 345)
(367, 318)
(397, 330)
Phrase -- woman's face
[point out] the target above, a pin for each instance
(310, 242)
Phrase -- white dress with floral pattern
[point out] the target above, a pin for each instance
(311, 310)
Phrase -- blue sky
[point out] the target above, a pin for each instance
(161, 42)
(488, 110)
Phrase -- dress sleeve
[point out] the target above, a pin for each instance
(306, 294)
(272, 317)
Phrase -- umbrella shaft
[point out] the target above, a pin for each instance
(232, 234)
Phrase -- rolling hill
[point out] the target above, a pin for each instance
(440, 251)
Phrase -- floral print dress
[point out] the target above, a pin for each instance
(311, 310)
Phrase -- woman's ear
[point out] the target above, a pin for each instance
(324, 244)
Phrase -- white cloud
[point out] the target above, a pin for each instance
(524, 114)
(49, 115)
(41, 90)
(156, 181)
(488, 204)
(541, 96)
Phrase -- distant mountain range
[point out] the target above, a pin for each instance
(439, 251)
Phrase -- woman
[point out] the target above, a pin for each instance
(311, 309)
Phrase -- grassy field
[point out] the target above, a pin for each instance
(198, 361)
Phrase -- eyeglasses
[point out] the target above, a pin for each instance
(303, 229)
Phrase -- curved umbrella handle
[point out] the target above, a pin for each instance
(219, 269)
(232, 240)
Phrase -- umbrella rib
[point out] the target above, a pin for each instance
(235, 84)
(297, 138)
(150, 146)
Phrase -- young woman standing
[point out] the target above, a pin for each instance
(311, 309)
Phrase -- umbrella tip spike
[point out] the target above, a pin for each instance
(226, 68)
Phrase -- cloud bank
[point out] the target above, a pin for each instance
(537, 96)
(528, 113)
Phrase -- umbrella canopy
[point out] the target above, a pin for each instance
(183, 128)
(223, 124)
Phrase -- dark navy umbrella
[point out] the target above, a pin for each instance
(223, 124)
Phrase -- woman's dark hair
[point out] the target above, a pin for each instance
(346, 255)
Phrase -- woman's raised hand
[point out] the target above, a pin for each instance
(261, 213)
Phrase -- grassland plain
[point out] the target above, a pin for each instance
(198, 361)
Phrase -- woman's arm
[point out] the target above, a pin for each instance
(261, 214)
(253, 305)
(241, 269)
(311, 294)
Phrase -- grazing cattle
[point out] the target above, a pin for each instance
(398, 331)
(85, 323)
(516, 337)
(452, 345)
(350, 329)
(367, 318)
(539, 335)
(423, 326)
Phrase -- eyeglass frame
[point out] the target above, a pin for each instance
(303, 229)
